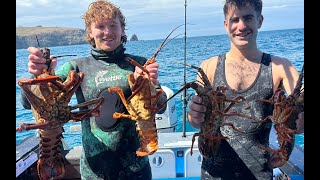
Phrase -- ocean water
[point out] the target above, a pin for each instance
(284, 43)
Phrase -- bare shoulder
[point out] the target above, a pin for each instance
(208, 63)
(283, 70)
(281, 65)
(280, 61)
(209, 67)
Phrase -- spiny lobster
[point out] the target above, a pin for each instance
(49, 97)
(286, 110)
(142, 105)
(210, 135)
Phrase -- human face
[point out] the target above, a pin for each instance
(242, 26)
(107, 34)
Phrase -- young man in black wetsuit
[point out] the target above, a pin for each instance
(245, 71)
(109, 145)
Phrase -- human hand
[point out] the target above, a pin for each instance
(196, 112)
(153, 71)
(300, 123)
(37, 63)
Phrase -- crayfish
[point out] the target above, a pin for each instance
(49, 96)
(142, 105)
(210, 135)
(286, 110)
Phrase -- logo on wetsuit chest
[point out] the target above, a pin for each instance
(102, 78)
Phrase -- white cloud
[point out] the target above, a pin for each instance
(148, 18)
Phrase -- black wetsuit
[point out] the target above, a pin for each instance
(239, 157)
(109, 145)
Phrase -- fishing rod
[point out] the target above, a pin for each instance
(184, 72)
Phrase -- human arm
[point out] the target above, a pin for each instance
(300, 123)
(284, 70)
(153, 71)
(24, 101)
(37, 63)
(300, 120)
(196, 113)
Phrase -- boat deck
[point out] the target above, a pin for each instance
(173, 159)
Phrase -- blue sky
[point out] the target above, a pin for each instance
(154, 19)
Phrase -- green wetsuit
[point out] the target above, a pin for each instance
(109, 145)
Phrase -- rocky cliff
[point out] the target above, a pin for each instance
(134, 37)
(48, 36)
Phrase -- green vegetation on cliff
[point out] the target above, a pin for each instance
(48, 36)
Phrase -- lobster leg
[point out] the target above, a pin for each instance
(245, 116)
(29, 126)
(193, 139)
(192, 85)
(187, 86)
(81, 115)
(265, 100)
(70, 84)
(72, 78)
(268, 149)
(124, 101)
(133, 62)
(157, 97)
(117, 115)
(283, 135)
(34, 100)
(281, 156)
(136, 88)
(201, 74)
(39, 80)
(234, 101)
(289, 131)
(233, 127)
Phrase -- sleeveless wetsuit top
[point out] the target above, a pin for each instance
(239, 157)
(109, 145)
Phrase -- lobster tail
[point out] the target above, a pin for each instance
(51, 163)
(281, 156)
(148, 138)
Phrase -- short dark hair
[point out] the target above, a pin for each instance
(256, 4)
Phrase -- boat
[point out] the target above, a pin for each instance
(172, 161)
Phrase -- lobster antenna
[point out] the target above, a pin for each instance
(48, 63)
(164, 41)
(170, 40)
(37, 41)
(64, 55)
(199, 73)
